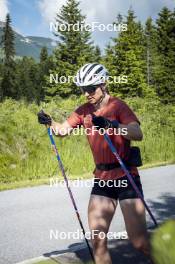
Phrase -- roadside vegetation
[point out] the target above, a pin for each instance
(25, 151)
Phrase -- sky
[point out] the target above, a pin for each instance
(33, 17)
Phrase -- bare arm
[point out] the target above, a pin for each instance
(134, 131)
(61, 130)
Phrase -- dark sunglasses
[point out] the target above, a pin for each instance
(89, 89)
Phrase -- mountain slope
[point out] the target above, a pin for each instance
(31, 45)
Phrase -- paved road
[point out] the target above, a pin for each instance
(28, 215)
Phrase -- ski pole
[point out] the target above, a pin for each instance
(130, 178)
(49, 130)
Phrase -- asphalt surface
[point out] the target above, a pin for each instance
(32, 218)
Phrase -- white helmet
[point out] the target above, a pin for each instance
(91, 74)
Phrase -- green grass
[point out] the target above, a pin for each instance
(46, 181)
(47, 262)
(163, 243)
(26, 156)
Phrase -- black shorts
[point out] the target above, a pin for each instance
(117, 189)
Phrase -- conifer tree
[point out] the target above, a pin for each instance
(74, 50)
(125, 56)
(27, 79)
(151, 56)
(44, 66)
(43, 55)
(164, 71)
(8, 79)
(8, 41)
(150, 42)
(97, 54)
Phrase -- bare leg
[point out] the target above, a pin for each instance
(100, 213)
(135, 221)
